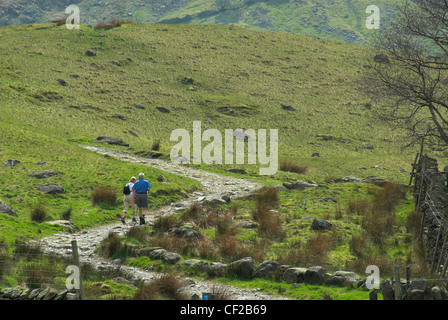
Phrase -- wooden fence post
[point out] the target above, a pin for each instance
(397, 284)
(75, 256)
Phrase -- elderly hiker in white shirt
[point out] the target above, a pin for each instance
(129, 199)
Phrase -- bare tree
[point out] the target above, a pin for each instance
(410, 77)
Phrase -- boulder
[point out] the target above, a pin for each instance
(417, 294)
(315, 275)
(342, 278)
(170, 257)
(299, 185)
(436, 293)
(112, 140)
(294, 275)
(195, 264)
(320, 224)
(266, 268)
(51, 188)
(242, 268)
(41, 174)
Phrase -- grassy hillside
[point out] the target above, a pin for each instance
(340, 19)
(147, 80)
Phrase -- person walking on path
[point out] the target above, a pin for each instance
(129, 200)
(141, 189)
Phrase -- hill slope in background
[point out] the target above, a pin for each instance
(337, 19)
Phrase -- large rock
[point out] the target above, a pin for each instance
(320, 224)
(299, 185)
(387, 290)
(294, 275)
(315, 275)
(43, 174)
(242, 268)
(51, 188)
(266, 269)
(112, 140)
(342, 278)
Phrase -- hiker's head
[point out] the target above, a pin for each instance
(141, 176)
(133, 179)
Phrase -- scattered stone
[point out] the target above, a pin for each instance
(90, 53)
(187, 80)
(236, 170)
(43, 174)
(248, 224)
(12, 163)
(286, 107)
(5, 208)
(320, 224)
(163, 110)
(119, 116)
(299, 185)
(62, 82)
(375, 181)
(381, 58)
(368, 146)
(51, 188)
(111, 140)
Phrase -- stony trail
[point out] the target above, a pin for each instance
(215, 186)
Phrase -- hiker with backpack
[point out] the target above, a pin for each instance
(140, 190)
(129, 200)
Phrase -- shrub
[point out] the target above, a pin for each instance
(166, 286)
(291, 166)
(66, 214)
(112, 247)
(39, 213)
(156, 145)
(113, 23)
(106, 195)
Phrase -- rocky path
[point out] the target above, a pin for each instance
(214, 187)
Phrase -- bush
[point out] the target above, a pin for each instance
(66, 214)
(156, 145)
(291, 166)
(39, 213)
(104, 195)
(113, 23)
(112, 247)
(166, 286)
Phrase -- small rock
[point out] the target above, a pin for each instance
(113, 141)
(187, 80)
(62, 82)
(316, 154)
(139, 106)
(43, 174)
(236, 170)
(51, 188)
(12, 163)
(160, 178)
(163, 110)
(320, 224)
(90, 53)
(287, 107)
(5, 208)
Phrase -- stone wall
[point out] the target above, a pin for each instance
(431, 200)
(20, 293)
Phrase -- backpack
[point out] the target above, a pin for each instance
(126, 190)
